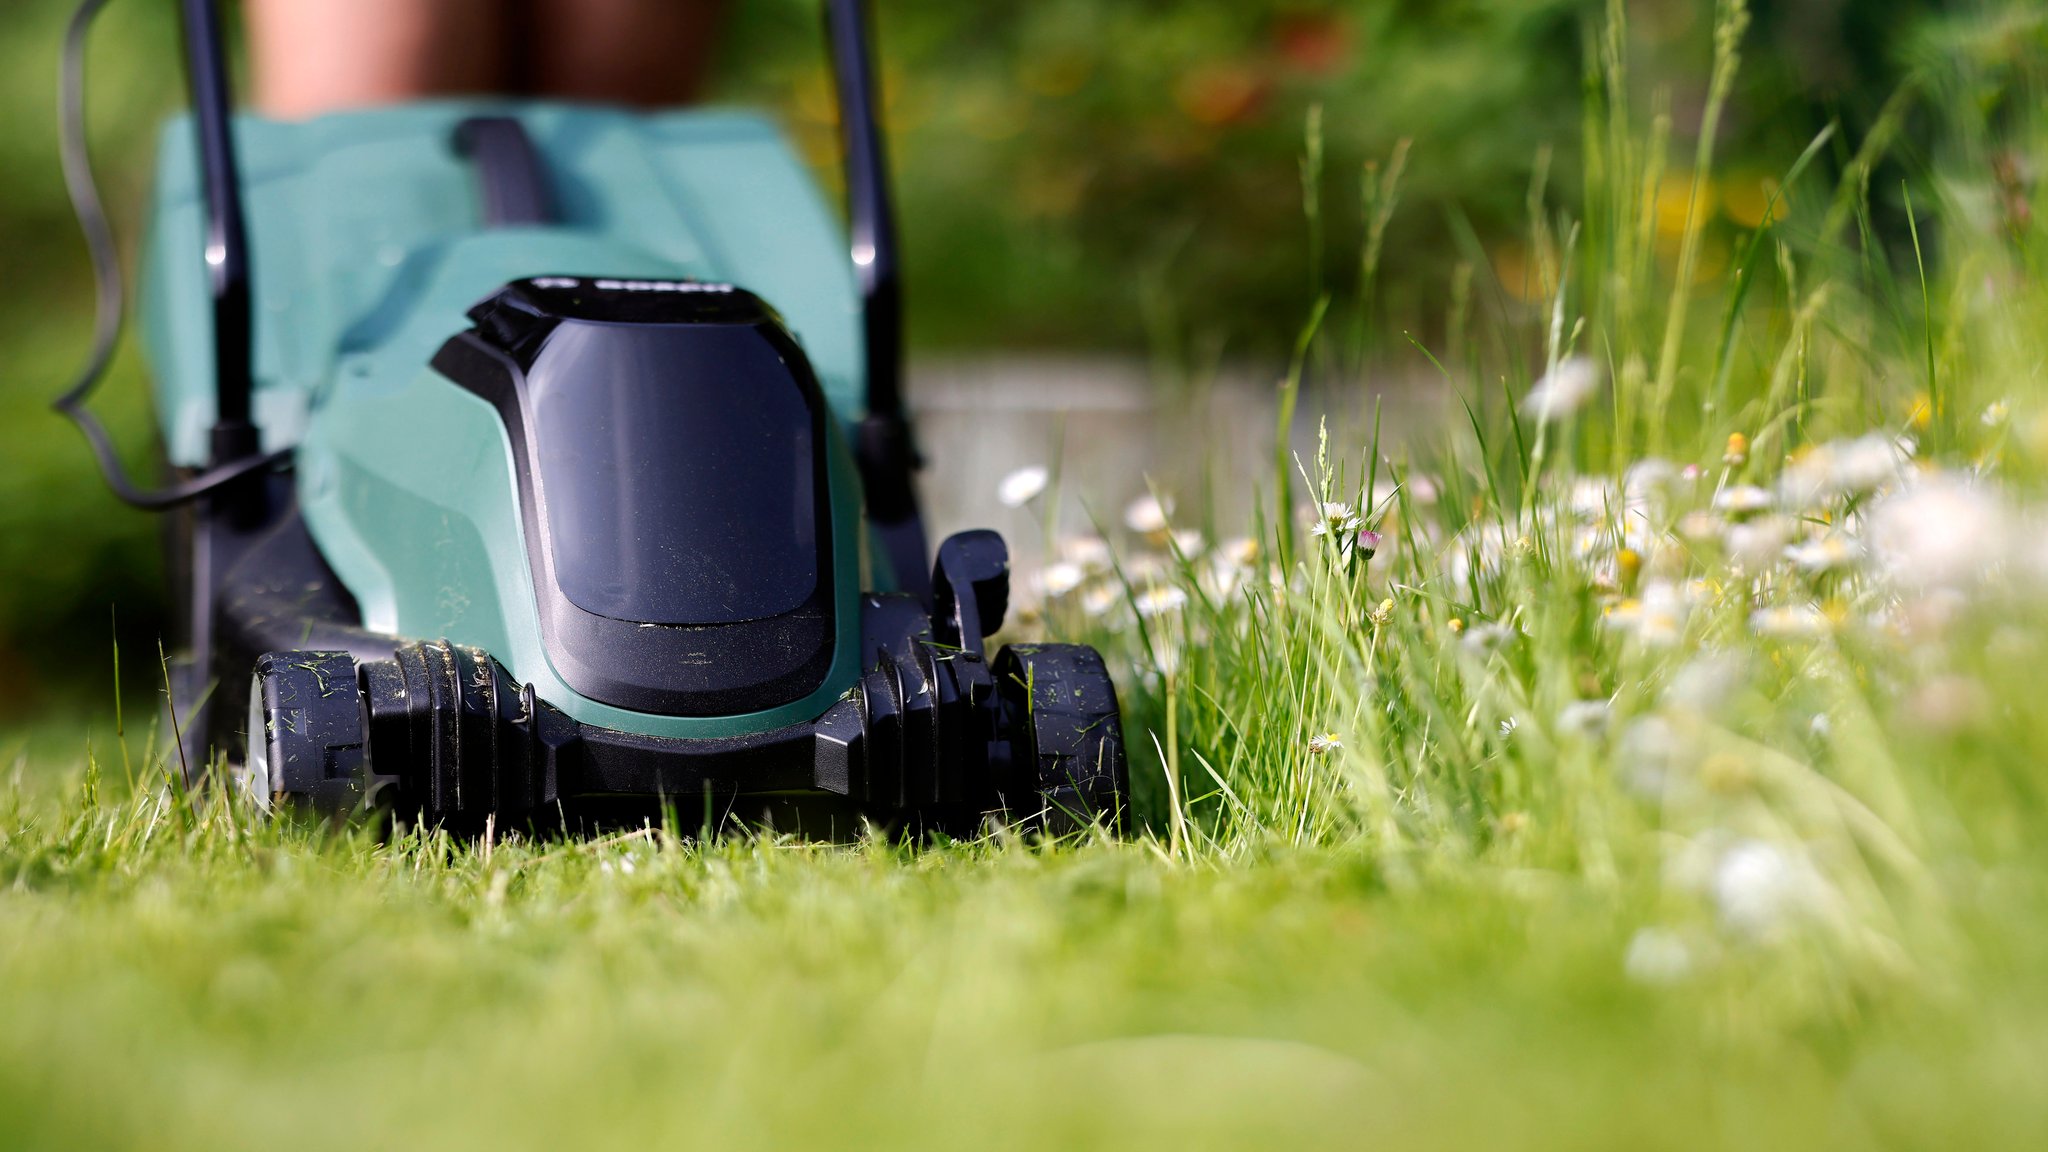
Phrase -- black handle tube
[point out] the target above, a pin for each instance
(871, 223)
(227, 239)
(883, 444)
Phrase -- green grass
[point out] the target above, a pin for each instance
(1668, 775)
(170, 981)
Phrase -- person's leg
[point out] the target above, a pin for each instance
(645, 52)
(314, 56)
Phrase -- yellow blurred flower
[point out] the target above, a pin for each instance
(1745, 199)
(1671, 207)
(1738, 450)
(1921, 412)
(1521, 275)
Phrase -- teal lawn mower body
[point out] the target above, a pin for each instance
(547, 463)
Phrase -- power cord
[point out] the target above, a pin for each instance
(109, 296)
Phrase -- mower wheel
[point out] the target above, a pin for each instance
(1066, 737)
(308, 735)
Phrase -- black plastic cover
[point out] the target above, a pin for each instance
(668, 438)
(679, 469)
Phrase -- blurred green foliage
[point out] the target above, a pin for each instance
(1073, 172)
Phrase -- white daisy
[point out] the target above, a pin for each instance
(1789, 622)
(1061, 578)
(1022, 486)
(1563, 390)
(1160, 599)
(1147, 514)
(1742, 500)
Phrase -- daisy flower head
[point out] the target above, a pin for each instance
(1790, 622)
(1060, 578)
(1738, 500)
(1335, 519)
(1022, 486)
(1148, 515)
(1563, 390)
(1160, 599)
(1831, 553)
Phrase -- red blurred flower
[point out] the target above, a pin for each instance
(1218, 94)
(1317, 43)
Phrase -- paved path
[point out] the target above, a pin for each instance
(1107, 426)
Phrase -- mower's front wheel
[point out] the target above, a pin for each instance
(308, 735)
(1066, 736)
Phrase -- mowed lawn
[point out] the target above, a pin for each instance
(167, 983)
(1655, 759)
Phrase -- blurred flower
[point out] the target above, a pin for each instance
(1022, 486)
(1649, 756)
(1219, 94)
(1383, 613)
(1508, 726)
(1145, 568)
(1099, 599)
(1647, 479)
(1737, 453)
(1746, 199)
(1583, 718)
(1188, 542)
(1061, 578)
(1592, 498)
(1563, 390)
(1628, 566)
(1147, 514)
(1701, 527)
(1230, 563)
(1941, 532)
(1657, 956)
(1525, 277)
(1761, 889)
(1754, 545)
(1840, 468)
(1739, 500)
(1831, 553)
(1995, 414)
(1313, 42)
(1324, 742)
(1727, 774)
(1673, 209)
(1949, 704)
(1159, 599)
(1706, 683)
(1486, 639)
(1223, 578)
(1090, 552)
(1656, 618)
(1789, 622)
(1920, 412)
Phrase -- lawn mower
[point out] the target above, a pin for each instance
(539, 463)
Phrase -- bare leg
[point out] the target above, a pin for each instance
(314, 56)
(646, 52)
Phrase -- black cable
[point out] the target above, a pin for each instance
(109, 295)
